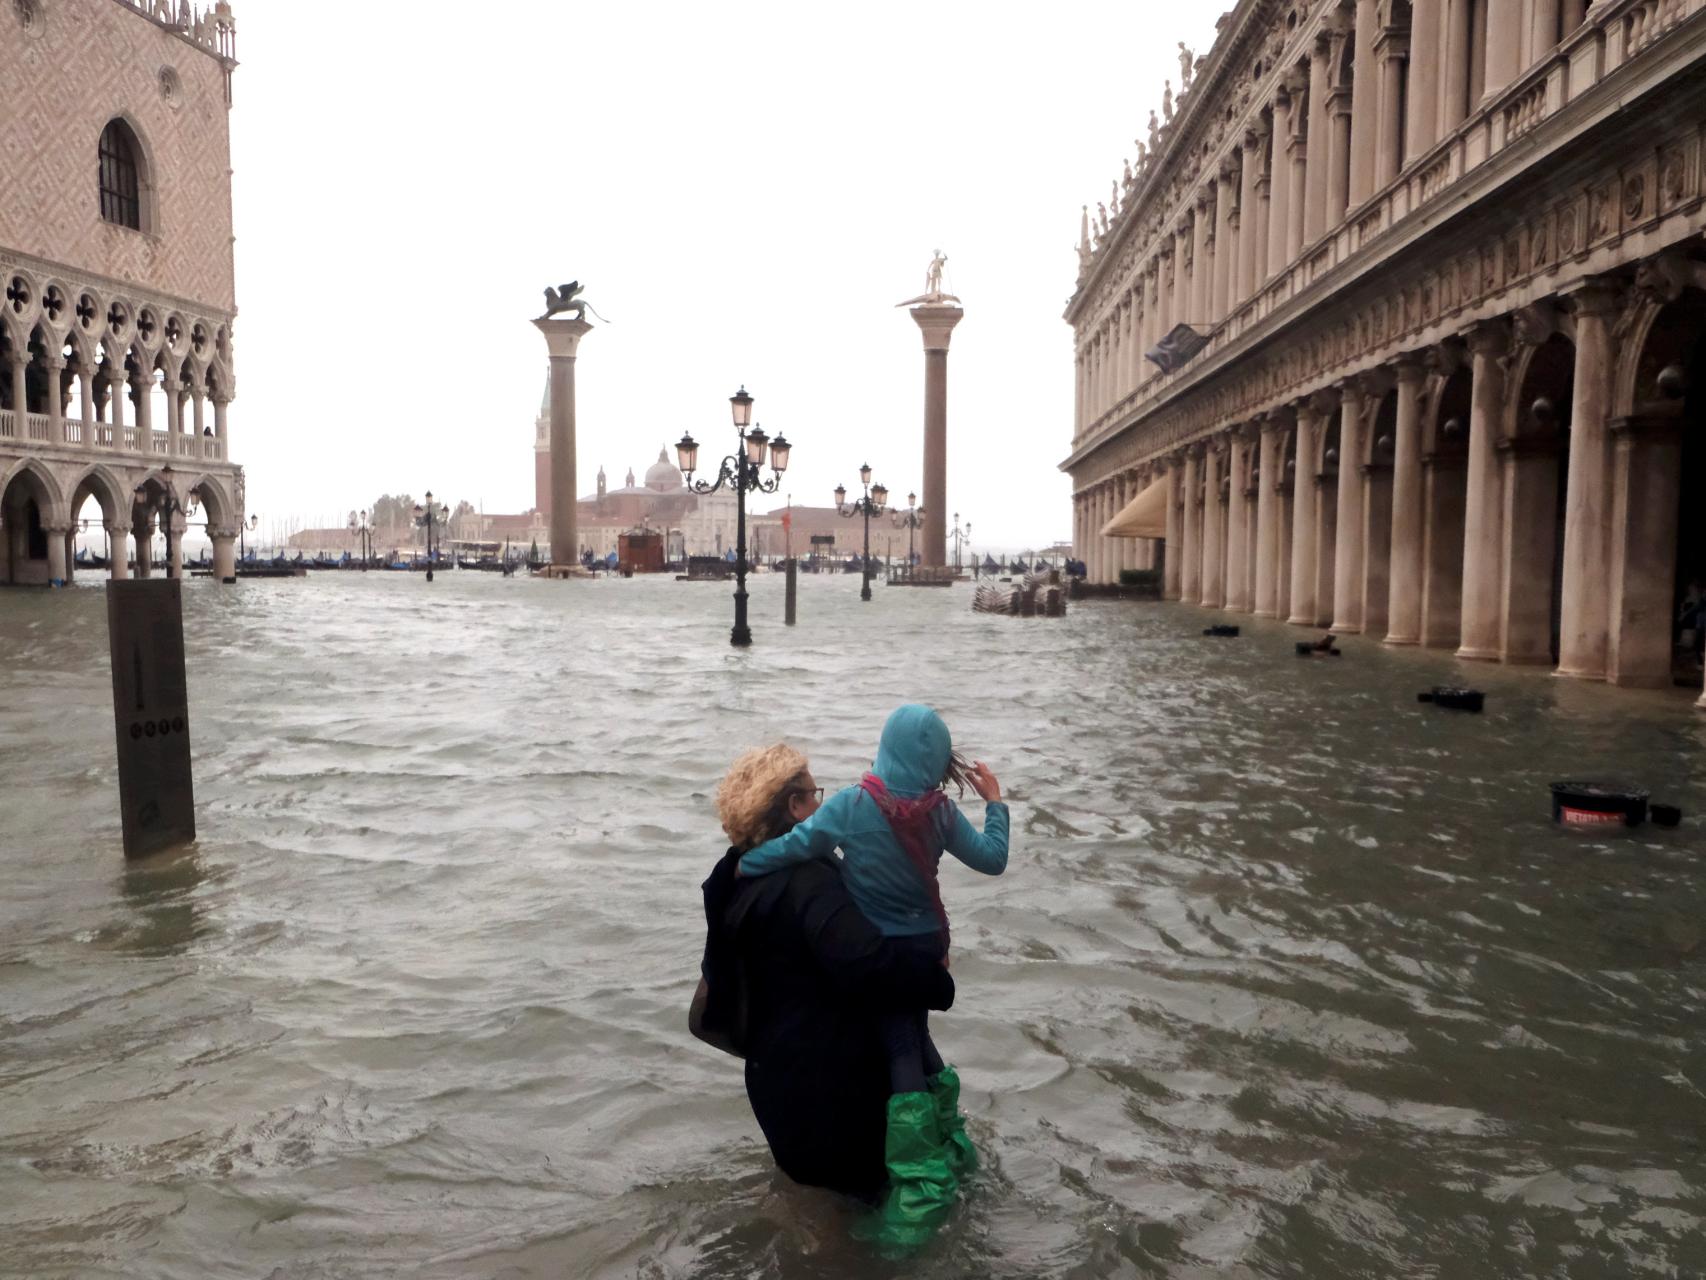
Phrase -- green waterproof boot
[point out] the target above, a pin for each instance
(922, 1184)
(945, 1092)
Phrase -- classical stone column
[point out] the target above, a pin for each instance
(1213, 541)
(1483, 525)
(1279, 209)
(1584, 635)
(1347, 557)
(1259, 232)
(198, 420)
(20, 399)
(1225, 246)
(1454, 86)
(1443, 491)
(1315, 189)
(1338, 156)
(55, 370)
(1172, 558)
(143, 532)
(1404, 610)
(1505, 37)
(1422, 99)
(1646, 489)
(1202, 265)
(56, 557)
(1393, 53)
(221, 423)
(1365, 106)
(1304, 494)
(1249, 230)
(86, 397)
(224, 554)
(1267, 520)
(562, 342)
(1296, 216)
(118, 543)
(144, 387)
(175, 553)
(116, 390)
(1529, 470)
(1237, 523)
(1190, 572)
(1376, 543)
(1182, 238)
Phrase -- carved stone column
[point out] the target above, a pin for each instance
(1172, 558)
(1392, 51)
(1310, 423)
(936, 325)
(57, 537)
(1584, 633)
(1365, 110)
(1297, 150)
(1225, 244)
(1237, 596)
(1268, 472)
(1320, 164)
(1483, 527)
(1454, 86)
(1646, 492)
(1202, 263)
(118, 551)
(1505, 38)
(1279, 209)
(1529, 470)
(1404, 610)
(1421, 108)
(1347, 558)
(1182, 238)
(86, 398)
(1249, 230)
(1213, 535)
(1190, 571)
(55, 371)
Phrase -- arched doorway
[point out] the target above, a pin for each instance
(1535, 463)
(28, 510)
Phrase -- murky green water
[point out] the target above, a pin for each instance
(1289, 976)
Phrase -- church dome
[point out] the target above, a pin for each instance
(663, 475)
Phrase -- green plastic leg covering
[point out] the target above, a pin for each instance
(922, 1184)
(945, 1091)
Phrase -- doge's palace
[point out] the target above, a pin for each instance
(116, 260)
(1447, 258)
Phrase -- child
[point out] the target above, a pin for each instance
(892, 830)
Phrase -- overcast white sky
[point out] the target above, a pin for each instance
(745, 189)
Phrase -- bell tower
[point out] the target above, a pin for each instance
(542, 453)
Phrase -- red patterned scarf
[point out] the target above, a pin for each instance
(916, 828)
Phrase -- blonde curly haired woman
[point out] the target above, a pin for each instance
(795, 980)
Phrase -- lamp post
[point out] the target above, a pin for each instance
(169, 507)
(872, 504)
(428, 518)
(741, 471)
(363, 532)
(912, 519)
(242, 543)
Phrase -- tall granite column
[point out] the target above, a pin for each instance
(562, 341)
(1484, 505)
(936, 324)
(1404, 607)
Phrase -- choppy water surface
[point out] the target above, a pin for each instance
(1289, 975)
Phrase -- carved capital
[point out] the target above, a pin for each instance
(1489, 338)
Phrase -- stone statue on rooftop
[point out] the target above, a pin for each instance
(1187, 66)
(1167, 101)
(1154, 132)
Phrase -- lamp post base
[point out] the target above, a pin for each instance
(741, 636)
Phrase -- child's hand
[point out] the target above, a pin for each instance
(983, 782)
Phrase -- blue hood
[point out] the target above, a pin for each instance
(914, 751)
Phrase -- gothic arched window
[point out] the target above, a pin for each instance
(121, 188)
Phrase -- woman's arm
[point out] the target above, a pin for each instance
(859, 960)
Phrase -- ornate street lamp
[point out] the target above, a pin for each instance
(428, 518)
(912, 519)
(740, 470)
(243, 527)
(363, 532)
(872, 504)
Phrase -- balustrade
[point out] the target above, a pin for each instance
(162, 442)
(132, 437)
(8, 428)
(73, 431)
(38, 426)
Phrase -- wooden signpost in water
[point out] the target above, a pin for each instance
(145, 625)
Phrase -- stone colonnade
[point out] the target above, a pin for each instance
(1418, 501)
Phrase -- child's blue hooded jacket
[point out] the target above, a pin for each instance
(911, 759)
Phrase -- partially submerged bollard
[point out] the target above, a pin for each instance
(792, 591)
(145, 627)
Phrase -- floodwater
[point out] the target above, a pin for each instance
(1289, 976)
